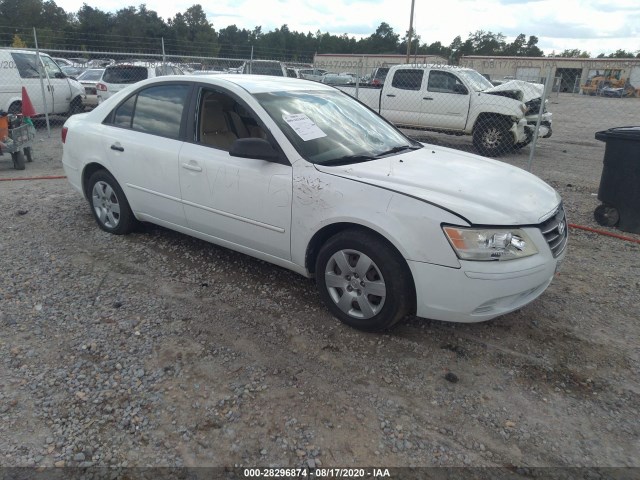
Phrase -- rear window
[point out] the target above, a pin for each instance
(408, 79)
(124, 74)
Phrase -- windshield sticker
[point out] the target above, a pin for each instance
(304, 126)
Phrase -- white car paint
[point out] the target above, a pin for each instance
(272, 210)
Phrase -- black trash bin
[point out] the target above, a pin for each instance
(619, 189)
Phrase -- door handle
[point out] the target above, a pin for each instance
(189, 166)
(390, 95)
(427, 98)
(117, 147)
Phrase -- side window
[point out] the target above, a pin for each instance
(445, 82)
(51, 67)
(408, 79)
(221, 120)
(26, 65)
(158, 110)
(155, 110)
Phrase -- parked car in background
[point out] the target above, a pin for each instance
(264, 67)
(379, 76)
(118, 76)
(300, 175)
(62, 94)
(314, 74)
(336, 79)
(63, 62)
(459, 101)
(89, 79)
(73, 72)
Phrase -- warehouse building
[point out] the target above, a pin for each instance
(569, 74)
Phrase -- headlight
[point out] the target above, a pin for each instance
(488, 244)
(524, 108)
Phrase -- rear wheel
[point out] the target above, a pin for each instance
(492, 137)
(18, 160)
(27, 153)
(109, 205)
(363, 281)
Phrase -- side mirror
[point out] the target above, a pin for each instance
(460, 89)
(257, 148)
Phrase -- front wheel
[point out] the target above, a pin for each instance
(109, 205)
(363, 281)
(492, 138)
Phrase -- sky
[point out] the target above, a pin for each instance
(594, 26)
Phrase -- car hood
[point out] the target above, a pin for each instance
(525, 91)
(481, 190)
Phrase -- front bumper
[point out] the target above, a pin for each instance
(480, 291)
(546, 121)
(518, 130)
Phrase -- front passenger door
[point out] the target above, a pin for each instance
(446, 101)
(242, 203)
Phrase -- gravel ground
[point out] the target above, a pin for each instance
(156, 349)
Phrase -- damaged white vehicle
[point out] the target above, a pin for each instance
(458, 101)
(301, 175)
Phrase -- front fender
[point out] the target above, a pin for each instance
(411, 225)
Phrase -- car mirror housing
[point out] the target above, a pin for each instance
(254, 148)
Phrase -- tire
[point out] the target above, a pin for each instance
(363, 281)
(109, 205)
(18, 160)
(15, 108)
(492, 138)
(606, 215)
(27, 153)
(75, 107)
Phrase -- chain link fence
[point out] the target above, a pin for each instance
(469, 109)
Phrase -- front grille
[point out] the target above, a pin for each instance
(555, 232)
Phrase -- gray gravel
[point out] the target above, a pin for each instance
(156, 349)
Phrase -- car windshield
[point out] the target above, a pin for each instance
(331, 128)
(477, 81)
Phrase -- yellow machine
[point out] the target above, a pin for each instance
(610, 83)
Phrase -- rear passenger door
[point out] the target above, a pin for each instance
(401, 101)
(241, 203)
(142, 140)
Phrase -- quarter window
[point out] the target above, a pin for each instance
(408, 79)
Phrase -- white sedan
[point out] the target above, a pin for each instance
(303, 176)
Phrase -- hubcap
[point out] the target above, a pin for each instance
(355, 284)
(106, 205)
(492, 137)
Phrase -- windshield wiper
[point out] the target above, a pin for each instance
(346, 160)
(401, 148)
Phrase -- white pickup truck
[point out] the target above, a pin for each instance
(458, 101)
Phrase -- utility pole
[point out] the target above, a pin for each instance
(413, 3)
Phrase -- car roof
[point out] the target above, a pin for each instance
(251, 83)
